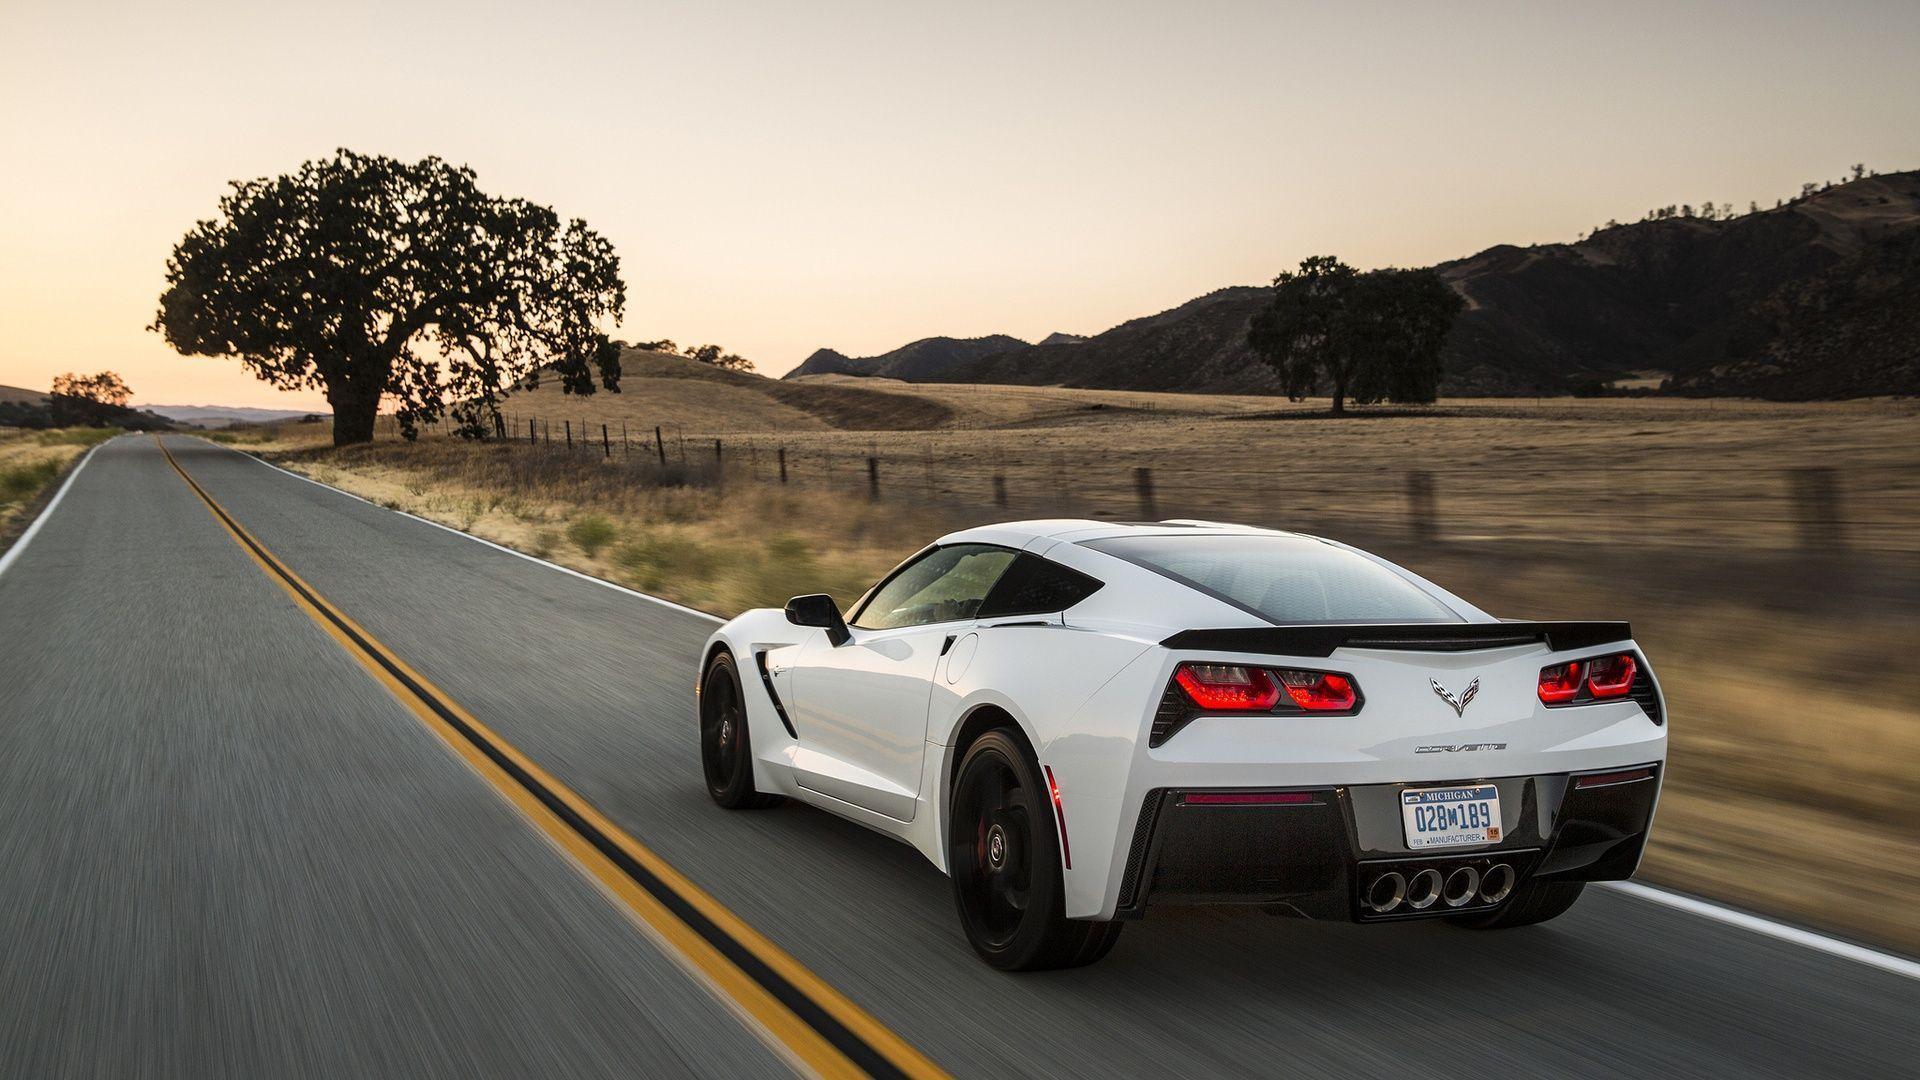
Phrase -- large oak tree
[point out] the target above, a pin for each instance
(1366, 337)
(364, 277)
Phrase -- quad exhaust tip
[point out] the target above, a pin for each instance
(1496, 883)
(1386, 892)
(1424, 889)
(1462, 886)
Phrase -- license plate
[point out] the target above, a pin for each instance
(1451, 817)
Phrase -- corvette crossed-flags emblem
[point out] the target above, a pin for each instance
(1459, 703)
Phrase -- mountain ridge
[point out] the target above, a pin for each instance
(1742, 305)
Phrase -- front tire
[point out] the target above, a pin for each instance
(1534, 902)
(1004, 855)
(726, 749)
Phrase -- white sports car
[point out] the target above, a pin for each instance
(1078, 719)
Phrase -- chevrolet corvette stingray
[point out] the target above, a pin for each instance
(1077, 720)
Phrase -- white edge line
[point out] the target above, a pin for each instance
(46, 511)
(1810, 939)
(1898, 965)
(481, 540)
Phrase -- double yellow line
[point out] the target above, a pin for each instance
(809, 1023)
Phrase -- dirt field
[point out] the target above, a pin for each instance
(1783, 613)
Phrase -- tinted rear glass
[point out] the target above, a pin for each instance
(1284, 579)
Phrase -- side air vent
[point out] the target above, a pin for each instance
(1130, 882)
(1644, 693)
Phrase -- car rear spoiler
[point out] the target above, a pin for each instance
(1412, 637)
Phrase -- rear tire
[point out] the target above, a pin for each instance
(1534, 902)
(726, 750)
(1004, 853)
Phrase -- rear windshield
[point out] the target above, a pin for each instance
(1284, 579)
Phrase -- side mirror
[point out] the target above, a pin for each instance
(818, 609)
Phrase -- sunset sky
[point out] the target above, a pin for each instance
(779, 176)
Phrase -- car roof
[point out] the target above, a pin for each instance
(1079, 530)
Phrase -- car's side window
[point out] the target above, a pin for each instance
(944, 585)
(1037, 586)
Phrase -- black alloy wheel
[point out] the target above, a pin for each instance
(726, 753)
(1004, 854)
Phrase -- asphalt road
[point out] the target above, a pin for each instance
(226, 850)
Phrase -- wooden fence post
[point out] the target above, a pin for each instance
(1422, 517)
(999, 489)
(1143, 489)
(569, 425)
(1816, 510)
(606, 444)
(783, 464)
(873, 478)
(660, 443)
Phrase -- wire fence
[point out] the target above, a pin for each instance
(1830, 510)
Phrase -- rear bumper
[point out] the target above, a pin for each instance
(1314, 858)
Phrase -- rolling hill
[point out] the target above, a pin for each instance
(920, 361)
(1814, 299)
(669, 390)
(219, 416)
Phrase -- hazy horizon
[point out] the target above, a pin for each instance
(860, 175)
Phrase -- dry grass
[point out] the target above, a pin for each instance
(678, 534)
(1791, 676)
(1605, 471)
(30, 461)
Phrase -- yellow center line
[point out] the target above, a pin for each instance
(806, 1042)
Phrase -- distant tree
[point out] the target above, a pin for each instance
(720, 358)
(92, 400)
(25, 414)
(367, 277)
(1808, 189)
(664, 345)
(1753, 206)
(1371, 337)
(1400, 321)
(1686, 210)
(1859, 170)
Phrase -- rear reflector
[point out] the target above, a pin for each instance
(1609, 779)
(1060, 816)
(1228, 687)
(1246, 798)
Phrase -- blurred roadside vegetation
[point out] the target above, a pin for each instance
(30, 461)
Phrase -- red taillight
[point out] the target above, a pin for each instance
(1560, 682)
(1228, 687)
(1599, 679)
(1610, 676)
(1319, 691)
